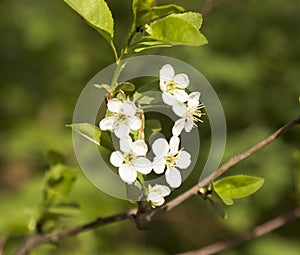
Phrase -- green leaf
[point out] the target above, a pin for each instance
(87, 130)
(237, 186)
(55, 158)
(218, 207)
(66, 208)
(103, 86)
(97, 14)
(193, 17)
(160, 45)
(126, 86)
(142, 99)
(176, 30)
(144, 12)
(59, 182)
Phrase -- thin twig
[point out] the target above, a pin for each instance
(37, 239)
(258, 231)
(148, 217)
(224, 168)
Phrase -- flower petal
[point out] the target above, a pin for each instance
(142, 165)
(156, 199)
(189, 124)
(125, 143)
(161, 189)
(184, 160)
(159, 164)
(169, 99)
(174, 144)
(139, 147)
(116, 158)
(129, 108)
(127, 173)
(134, 123)
(107, 123)
(181, 95)
(121, 130)
(194, 98)
(179, 109)
(182, 80)
(173, 177)
(114, 105)
(178, 127)
(166, 72)
(160, 147)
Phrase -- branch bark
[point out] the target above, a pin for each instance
(258, 231)
(146, 218)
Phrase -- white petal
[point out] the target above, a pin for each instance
(121, 130)
(174, 144)
(169, 99)
(156, 199)
(134, 123)
(173, 177)
(114, 105)
(181, 95)
(139, 147)
(166, 72)
(126, 143)
(182, 80)
(178, 127)
(161, 189)
(129, 108)
(162, 85)
(107, 123)
(179, 109)
(184, 160)
(116, 158)
(159, 164)
(142, 165)
(127, 173)
(194, 98)
(160, 147)
(189, 124)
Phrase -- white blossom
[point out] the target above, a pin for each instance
(157, 193)
(173, 86)
(167, 156)
(131, 159)
(190, 113)
(123, 118)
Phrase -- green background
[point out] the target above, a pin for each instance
(48, 54)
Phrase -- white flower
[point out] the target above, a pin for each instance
(156, 194)
(168, 156)
(190, 113)
(130, 159)
(173, 86)
(123, 118)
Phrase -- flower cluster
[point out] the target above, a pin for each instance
(126, 121)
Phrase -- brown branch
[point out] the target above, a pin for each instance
(37, 239)
(258, 231)
(224, 168)
(145, 219)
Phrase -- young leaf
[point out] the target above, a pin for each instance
(144, 12)
(55, 158)
(193, 17)
(177, 30)
(237, 186)
(87, 130)
(126, 86)
(97, 14)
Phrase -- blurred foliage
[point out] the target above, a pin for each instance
(252, 60)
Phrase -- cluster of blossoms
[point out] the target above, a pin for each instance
(124, 118)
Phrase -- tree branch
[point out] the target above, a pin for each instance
(258, 231)
(224, 168)
(146, 218)
(37, 239)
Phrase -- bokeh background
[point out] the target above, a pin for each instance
(48, 54)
